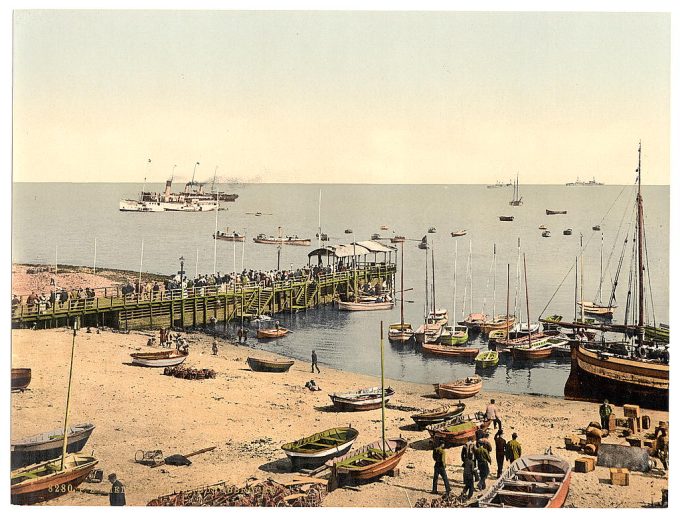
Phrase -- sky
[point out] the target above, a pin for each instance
(344, 96)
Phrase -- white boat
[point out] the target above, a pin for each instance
(186, 201)
(362, 306)
(159, 359)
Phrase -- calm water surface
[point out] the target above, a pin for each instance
(64, 219)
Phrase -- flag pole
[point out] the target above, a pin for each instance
(382, 385)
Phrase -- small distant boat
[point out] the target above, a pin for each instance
(398, 239)
(362, 400)
(549, 212)
(400, 332)
(229, 236)
(348, 231)
(450, 351)
(463, 388)
(21, 378)
(384, 228)
(422, 245)
(535, 481)
(272, 333)
(516, 199)
(371, 461)
(432, 230)
(323, 236)
(486, 359)
(543, 227)
(363, 306)
(567, 232)
(269, 366)
(506, 218)
(453, 335)
(375, 236)
(461, 232)
(318, 448)
(546, 234)
(459, 430)
(596, 227)
(438, 415)
(48, 445)
(159, 359)
(47, 480)
(288, 240)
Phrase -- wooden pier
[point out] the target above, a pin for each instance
(201, 306)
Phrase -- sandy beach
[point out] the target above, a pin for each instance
(249, 415)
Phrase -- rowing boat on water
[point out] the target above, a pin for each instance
(49, 445)
(159, 359)
(272, 333)
(486, 359)
(363, 306)
(536, 481)
(438, 415)
(463, 388)
(269, 366)
(450, 351)
(48, 480)
(500, 322)
(369, 462)
(362, 400)
(21, 378)
(318, 448)
(459, 430)
(400, 332)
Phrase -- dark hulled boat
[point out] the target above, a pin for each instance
(48, 445)
(269, 366)
(362, 400)
(21, 378)
(438, 415)
(459, 430)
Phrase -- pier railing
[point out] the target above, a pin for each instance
(251, 296)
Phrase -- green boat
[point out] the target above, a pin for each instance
(660, 333)
(487, 359)
(453, 335)
(318, 448)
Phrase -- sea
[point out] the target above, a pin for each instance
(80, 224)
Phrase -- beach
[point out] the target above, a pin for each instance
(247, 416)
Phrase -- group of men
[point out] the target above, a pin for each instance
(476, 456)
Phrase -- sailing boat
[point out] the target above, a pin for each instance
(434, 319)
(454, 334)
(473, 321)
(516, 199)
(633, 369)
(373, 460)
(598, 309)
(401, 331)
(55, 477)
(500, 322)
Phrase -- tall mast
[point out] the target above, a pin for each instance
(599, 290)
(494, 282)
(212, 189)
(576, 290)
(583, 319)
(427, 286)
(641, 289)
(526, 288)
(319, 235)
(76, 325)
(455, 285)
(402, 287)
(434, 304)
(507, 309)
(382, 387)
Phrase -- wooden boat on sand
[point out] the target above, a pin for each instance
(369, 462)
(159, 359)
(362, 400)
(536, 481)
(463, 388)
(21, 378)
(438, 415)
(272, 333)
(48, 445)
(269, 366)
(318, 448)
(459, 430)
(487, 359)
(46, 480)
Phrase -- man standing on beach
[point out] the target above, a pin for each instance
(117, 494)
(468, 473)
(492, 414)
(439, 457)
(513, 449)
(500, 451)
(605, 413)
(483, 460)
(314, 362)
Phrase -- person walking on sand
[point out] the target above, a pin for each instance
(240, 335)
(492, 414)
(483, 459)
(439, 457)
(662, 448)
(513, 449)
(605, 413)
(117, 493)
(500, 451)
(314, 362)
(468, 474)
